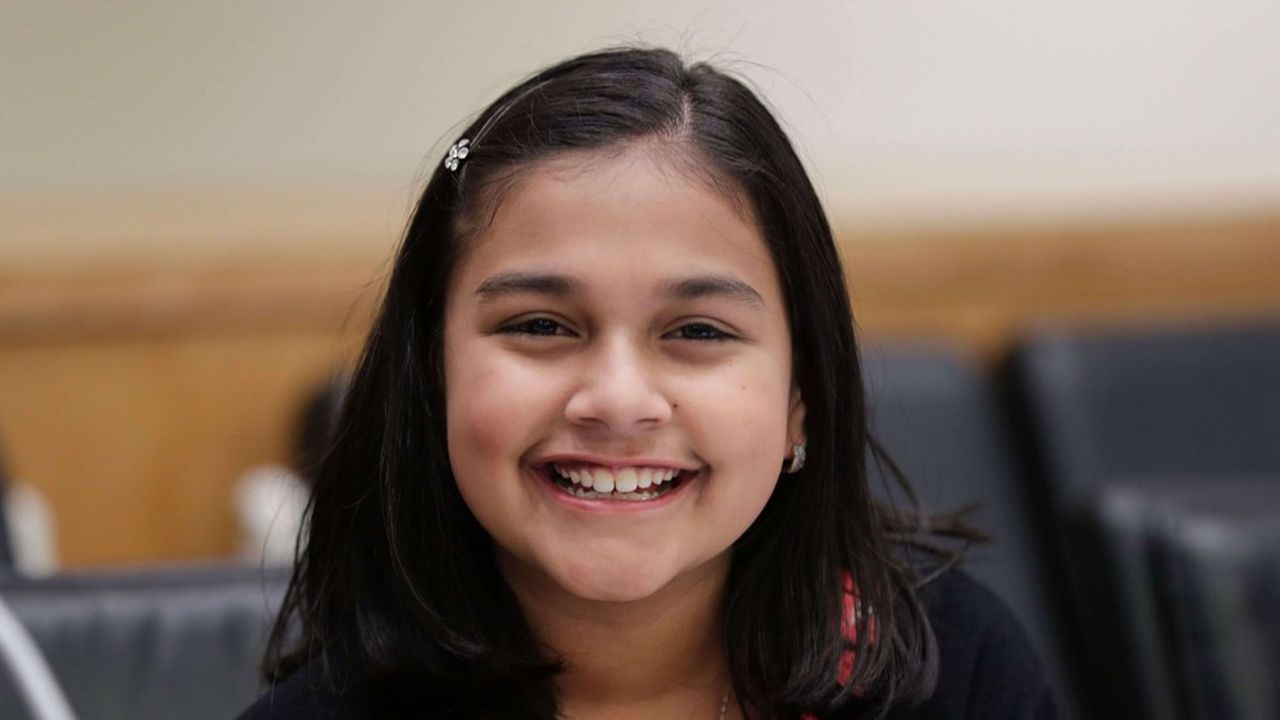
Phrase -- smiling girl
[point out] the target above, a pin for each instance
(604, 453)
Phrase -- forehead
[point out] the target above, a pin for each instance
(635, 213)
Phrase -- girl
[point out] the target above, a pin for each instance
(603, 456)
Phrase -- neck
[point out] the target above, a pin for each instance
(662, 651)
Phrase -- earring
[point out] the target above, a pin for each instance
(797, 459)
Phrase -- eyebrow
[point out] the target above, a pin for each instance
(514, 283)
(691, 288)
(723, 286)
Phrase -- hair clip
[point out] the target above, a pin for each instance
(457, 154)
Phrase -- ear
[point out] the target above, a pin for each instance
(795, 419)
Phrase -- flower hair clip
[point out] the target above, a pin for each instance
(457, 154)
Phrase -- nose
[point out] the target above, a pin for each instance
(617, 391)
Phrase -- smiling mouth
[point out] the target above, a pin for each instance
(625, 484)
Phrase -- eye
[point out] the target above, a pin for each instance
(701, 332)
(538, 326)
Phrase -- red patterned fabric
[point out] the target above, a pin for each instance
(849, 628)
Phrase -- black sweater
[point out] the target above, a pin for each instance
(987, 670)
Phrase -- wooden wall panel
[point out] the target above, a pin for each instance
(981, 289)
(137, 442)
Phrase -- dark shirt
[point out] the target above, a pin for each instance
(987, 669)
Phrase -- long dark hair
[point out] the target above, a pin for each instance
(398, 579)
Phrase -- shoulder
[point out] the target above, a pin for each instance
(306, 693)
(986, 666)
(311, 694)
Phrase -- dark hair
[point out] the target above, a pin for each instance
(397, 576)
(313, 427)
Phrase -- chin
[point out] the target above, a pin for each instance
(607, 580)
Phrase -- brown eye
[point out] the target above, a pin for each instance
(701, 331)
(544, 327)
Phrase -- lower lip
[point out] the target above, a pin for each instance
(613, 506)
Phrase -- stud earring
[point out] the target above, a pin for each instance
(797, 459)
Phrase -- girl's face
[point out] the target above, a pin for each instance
(618, 377)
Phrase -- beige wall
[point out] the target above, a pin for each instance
(906, 111)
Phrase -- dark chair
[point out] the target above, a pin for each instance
(1183, 584)
(1121, 635)
(1103, 412)
(148, 644)
(937, 416)
(1216, 550)
(1168, 403)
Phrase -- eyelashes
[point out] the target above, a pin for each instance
(702, 332)
(546, 327)
(539, 327)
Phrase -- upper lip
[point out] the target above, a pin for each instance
(602, 461)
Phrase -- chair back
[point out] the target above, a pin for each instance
(149, 644)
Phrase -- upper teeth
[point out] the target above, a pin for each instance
(626, 480)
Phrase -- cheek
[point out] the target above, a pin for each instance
(739, 425)
(475, 415)
(754, 455)
(495, 412)
(493, 405)
(745, 407)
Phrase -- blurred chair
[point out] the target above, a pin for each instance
(1104, 409)
(1171, 403)
(149, 644)
(938, 418)
(1120, 629)
(1217, 551)
(1183, 588)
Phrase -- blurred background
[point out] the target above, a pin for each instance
(198, 203)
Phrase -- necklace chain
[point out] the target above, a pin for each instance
(724, 704)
